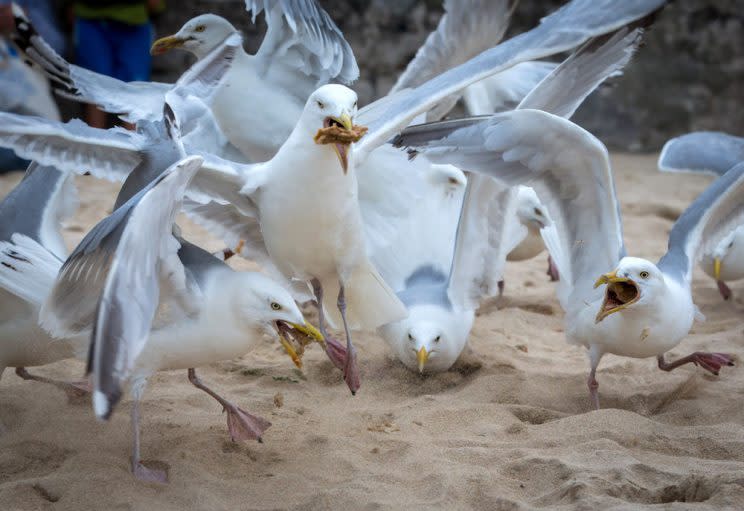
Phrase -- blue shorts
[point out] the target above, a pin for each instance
(114, 49)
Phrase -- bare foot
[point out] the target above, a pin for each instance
(243, 425)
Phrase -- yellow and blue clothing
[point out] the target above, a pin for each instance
(113, 37)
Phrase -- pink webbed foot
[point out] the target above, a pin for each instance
(711, 362)
(724, 290)
(351, 372)
(336, 352)
(149, 475)
(243, 425)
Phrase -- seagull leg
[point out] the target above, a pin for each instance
(351, 369)
(724, 290)
(500, 285)
(553, 270)
(241, 424)
(141, 472)
(73, 389)
(594, 357)
(711, 362)
(334, 349)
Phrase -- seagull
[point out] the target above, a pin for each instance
(614, 303)
(714, 153)
(33, 211)
(302, 50)
(130, 266)
(441, 267)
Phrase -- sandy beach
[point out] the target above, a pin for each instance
(508, 427)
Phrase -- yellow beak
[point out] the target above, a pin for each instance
(608, 278)
(717, 268)
(310, 331)
(165, 44)
(290, 351)
(422, 356)
(307, 330)
(345, 121)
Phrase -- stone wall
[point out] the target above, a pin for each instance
(688, 76)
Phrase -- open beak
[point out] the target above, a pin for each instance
(302, 334)
(422, 356)
(165, 44)
(342, 150)
(717, 268)
(621, 293)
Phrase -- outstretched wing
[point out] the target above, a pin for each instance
(37, 205)
(302, 36)
(133, 101)
(466, 28)
(73, 146)
(566, 28)
(568, 167)
(143, 251)
(710, 218)
(702, 151)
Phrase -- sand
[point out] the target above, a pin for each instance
(509, 427)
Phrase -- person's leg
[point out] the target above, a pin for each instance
(93, 51)
(131, 46)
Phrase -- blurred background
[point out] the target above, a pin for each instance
(688, 76)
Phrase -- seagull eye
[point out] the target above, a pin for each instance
(537, 211)
(200, 28)
(275, 306)
(439, 338)
(644, 274)
(410, 337)
(320, 105)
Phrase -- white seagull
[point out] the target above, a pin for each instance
(714, 153)
(442, 279)
(614, 304)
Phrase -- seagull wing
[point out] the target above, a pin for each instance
(301, 35)
(708, 220)
(486, 233)
(143, 250)
(504, 90)
(37, 205)
(133, 101)
(72, 146)
(702, 151)
(568, 167)
(566, 28)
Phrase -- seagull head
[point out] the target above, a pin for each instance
(329, 114)
(264, 301)
(634, 282)
(449, 177)
(424, 341)
(199, 36)
(531, 212)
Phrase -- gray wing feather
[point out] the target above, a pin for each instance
(466, 28)
(36, 206)
(705, 222)
(303, 26)
(72, 146)
(131, 292)
(134, 101)
(568, 167)
(566, 28)
(702, 151)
